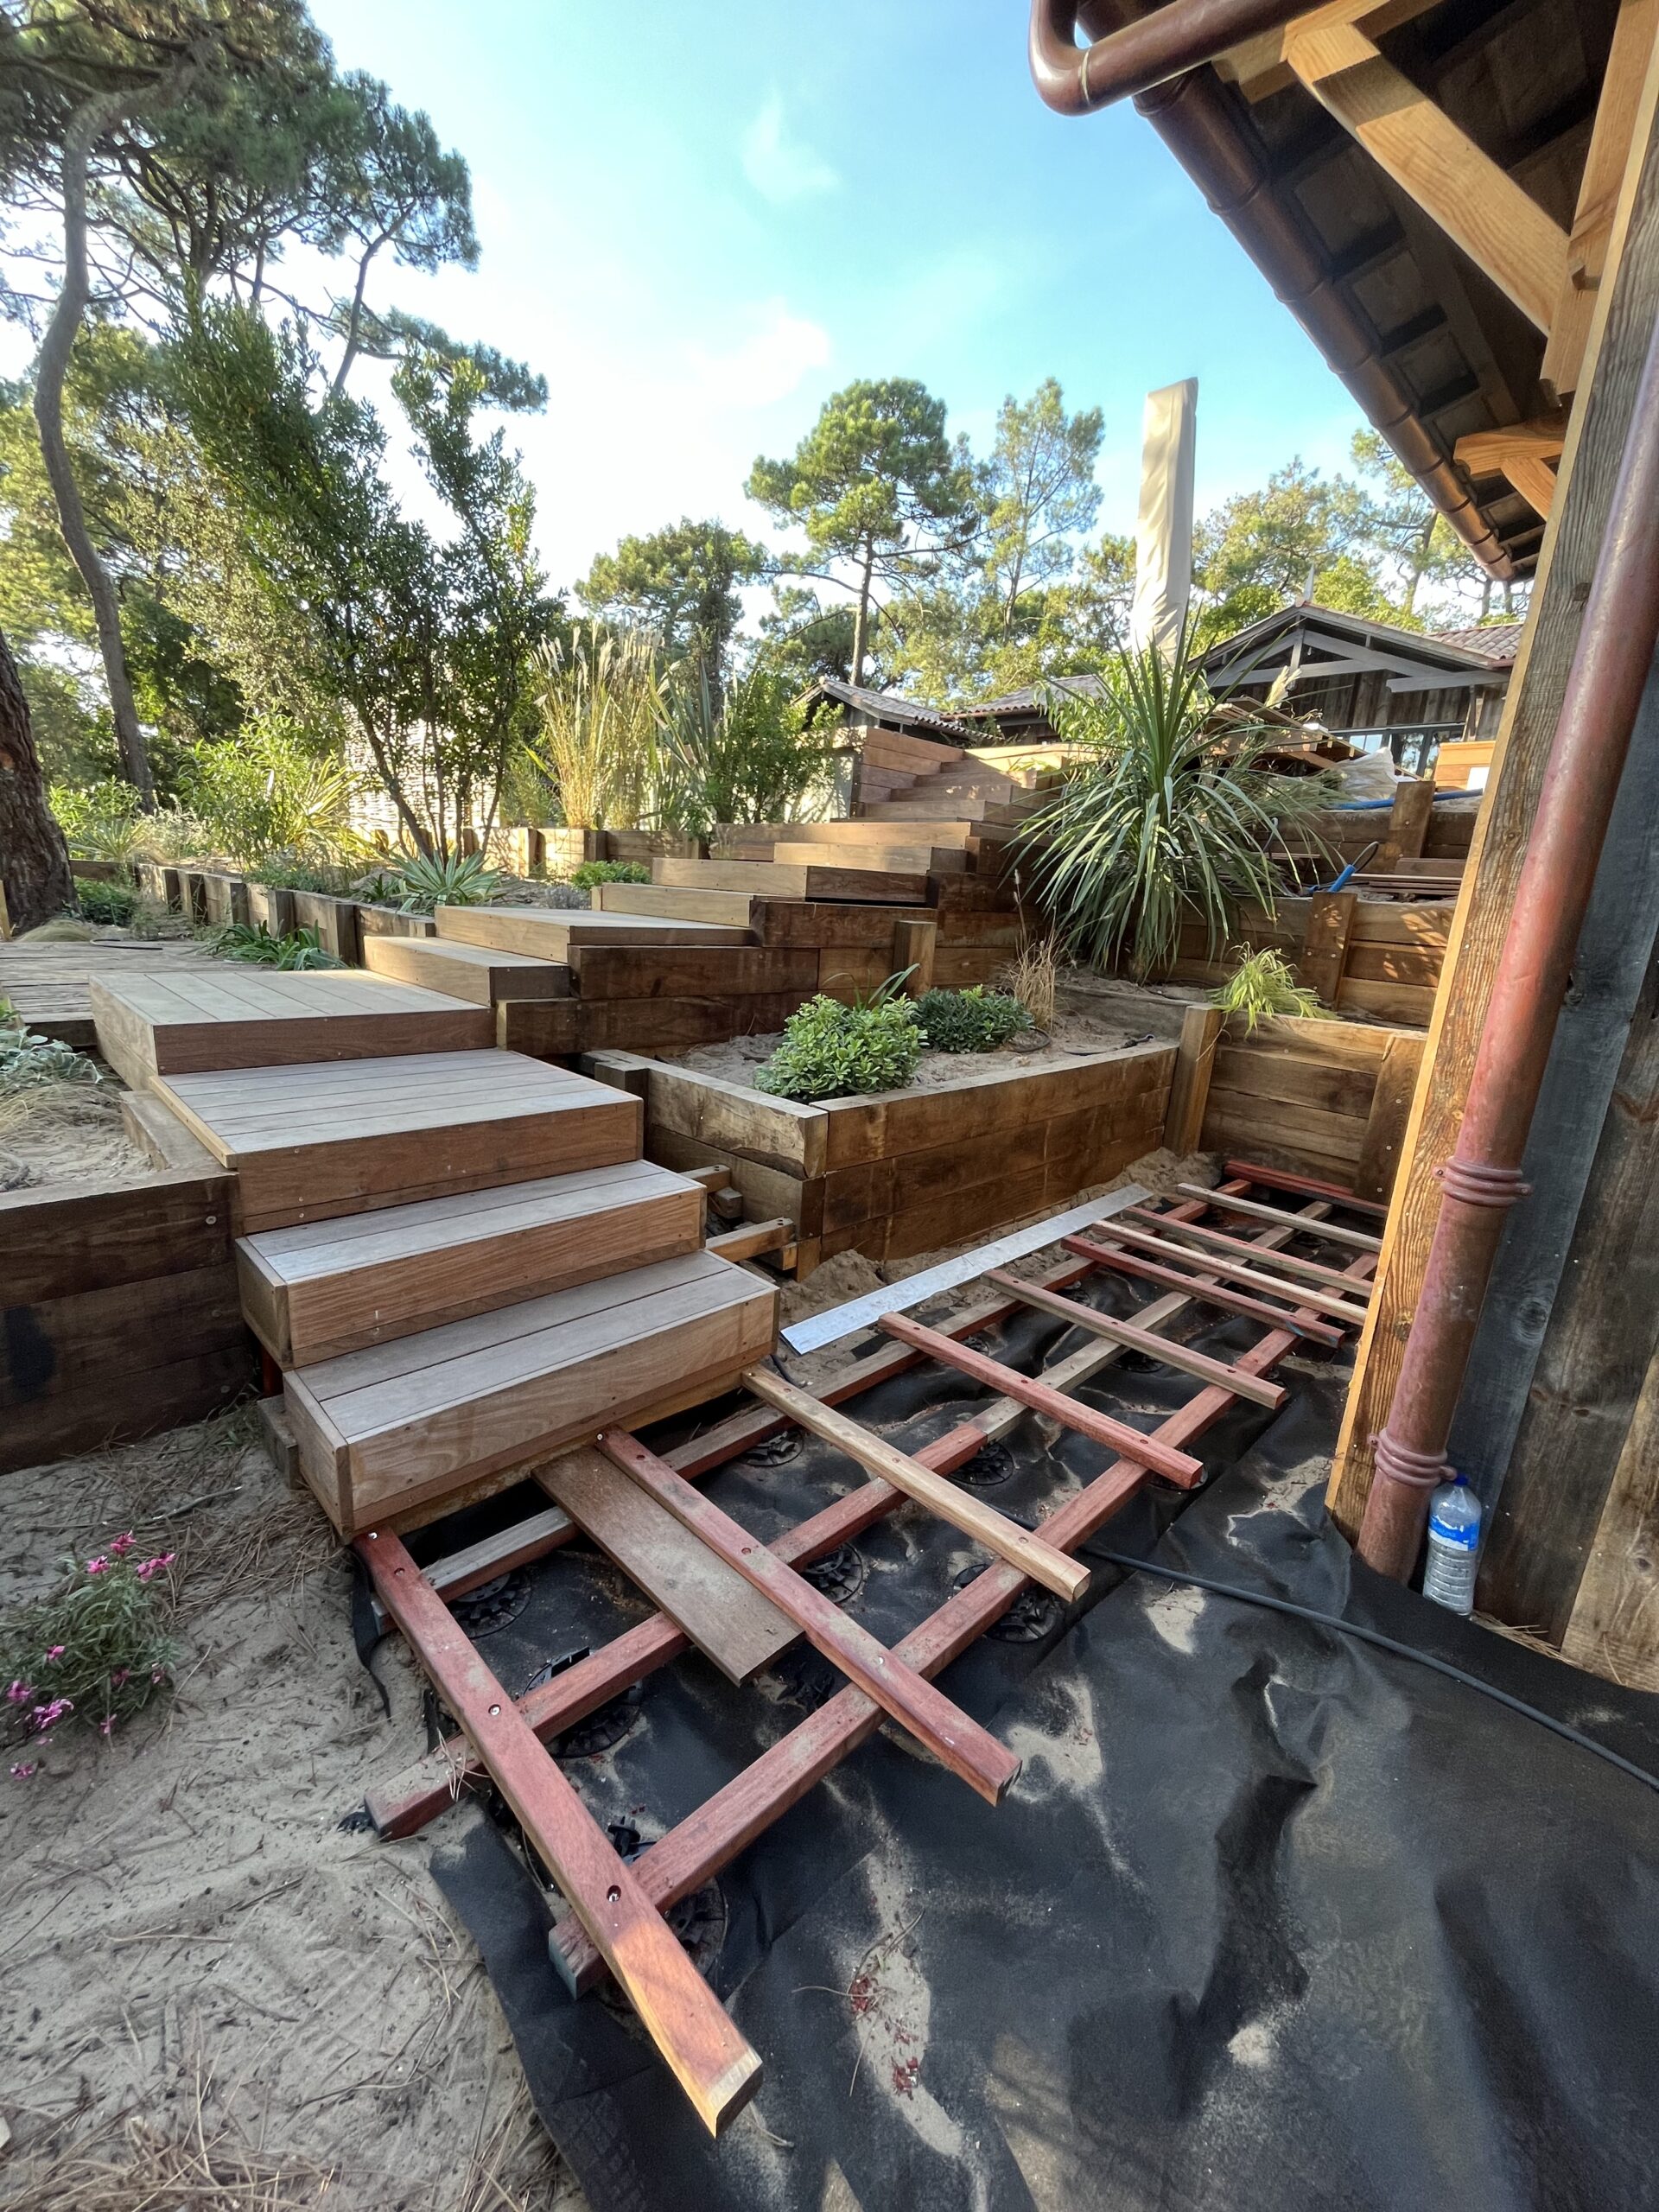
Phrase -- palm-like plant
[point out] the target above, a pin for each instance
(1171, 822)
(745, 756)
(601, 704)
(422, 882)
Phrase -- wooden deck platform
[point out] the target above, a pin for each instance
(243, 1017)
(49, 984)
(352, 1136)
(549, 932)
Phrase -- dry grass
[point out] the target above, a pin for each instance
(1033, 978)
(130, 2166)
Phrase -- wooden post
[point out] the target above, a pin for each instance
(1596, 435)
(913, 942)
(1189, 1088)
(1385, 1128)
(1324, 948)
(1408, 820)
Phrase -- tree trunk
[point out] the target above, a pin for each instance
(861, 619)
(34, 858)
(84, 127)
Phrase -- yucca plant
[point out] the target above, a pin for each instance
(602, 707)
(1171, 822)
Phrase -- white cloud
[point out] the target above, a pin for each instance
(782, 168)
(767, 365)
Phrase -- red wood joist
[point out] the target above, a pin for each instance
(1246, 1249)
(1301, 1186)
(960, 1743)
(695, 1851)
(1205, 1288)
(709, 2059)
(1158, 1458)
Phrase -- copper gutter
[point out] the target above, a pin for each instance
(1482, 1180)
(1193, 117)
(1074, 79)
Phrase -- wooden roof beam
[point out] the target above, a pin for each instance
(1524, 454)
(1501, 227)
(1604, 172)
(1261, 65)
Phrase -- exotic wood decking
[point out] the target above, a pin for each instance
(49, 985)
(482, 974)
(549, 932)
(497, 1734)
(243, 1017)
(348, 1136)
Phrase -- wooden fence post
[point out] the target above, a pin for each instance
(1385, 1128)
(1189, 1089)
(1324, 948)
(1408, 820)
(913, 942)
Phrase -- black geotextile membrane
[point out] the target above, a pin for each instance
(1270, 1919)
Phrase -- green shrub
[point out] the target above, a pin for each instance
(422, 883)
(100, 822)
(593, 872)
(975, 1020)
(27, 1059)
(282, 872)
(254, 943)
(104, 902)
(268, 790)
(831, 1051)
(97, 1649)
(1262, 984)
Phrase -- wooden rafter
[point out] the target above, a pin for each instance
(1261, 65)
(1604, 173)
(1499, 225)
(1524, 454)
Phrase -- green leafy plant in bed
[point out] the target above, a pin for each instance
(27, 1058)
(425, 881)
(95, 1650)
(832, 1051)
(593, 872)
(104, 902)
(1261, 985)
(975, 1020)
(253, 941)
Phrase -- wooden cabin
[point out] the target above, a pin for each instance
(1459, 203)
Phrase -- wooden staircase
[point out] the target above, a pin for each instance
(459, 1258)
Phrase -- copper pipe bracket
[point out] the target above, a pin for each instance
(1477, 1182)
(1398, 1463)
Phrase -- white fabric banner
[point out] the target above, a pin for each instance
(1163, 532)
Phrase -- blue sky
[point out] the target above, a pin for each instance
(700, 221)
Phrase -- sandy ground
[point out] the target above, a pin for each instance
(185, 1924)
(67, 1133)
(1070, 1035)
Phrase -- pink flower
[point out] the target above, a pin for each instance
(158, 1673)
(48, 1716)
(106, 1724)
(120, 1678)
(57, 1651)
(147, 1568)
(24, 1769)
(123, 1545)
(96, 1565)
(19, 1693)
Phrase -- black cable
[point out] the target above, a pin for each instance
(1564, 1728)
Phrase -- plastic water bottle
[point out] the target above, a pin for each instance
(1454, 1546)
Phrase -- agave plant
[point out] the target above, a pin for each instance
(428, 880)
(1172, 821)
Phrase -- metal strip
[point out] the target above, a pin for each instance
(827, 1328)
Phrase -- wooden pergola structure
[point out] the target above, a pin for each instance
(1459, 200)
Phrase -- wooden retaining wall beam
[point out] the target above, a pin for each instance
(702, 2045)
(1324, 948)
(1189, 1088)
(970, 1751)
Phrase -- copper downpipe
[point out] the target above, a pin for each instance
(1075, 80)
(1482, 1180)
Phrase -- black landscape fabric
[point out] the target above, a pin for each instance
(1270, 1919)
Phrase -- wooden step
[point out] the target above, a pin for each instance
(347, 1137)
(180, 1021)
(549, 932)
(480, 973)
(900, 860)
(324, 1288)
(944, 828)
(385, 1432)
(829, 880)
(674, 903)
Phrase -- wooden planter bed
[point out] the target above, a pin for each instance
(907, 1171)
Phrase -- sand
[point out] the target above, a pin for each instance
(55, 1133)
(184, 1916)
